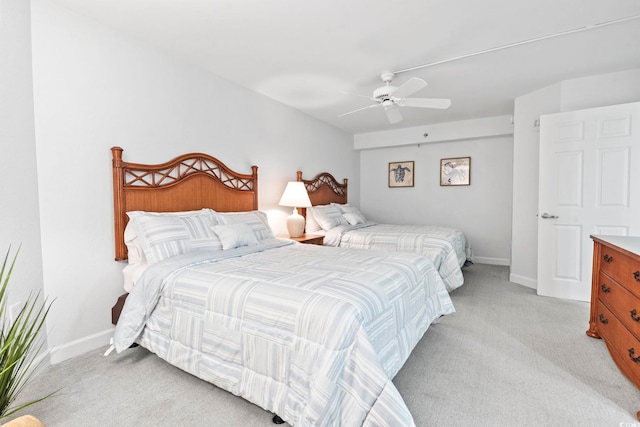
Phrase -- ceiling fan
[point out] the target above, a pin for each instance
(391, 98)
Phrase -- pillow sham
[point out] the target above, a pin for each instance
(162, 235)
(256, 220)
(311, 225)
(235, 235)
(328, 216)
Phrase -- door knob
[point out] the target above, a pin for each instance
(548, 216)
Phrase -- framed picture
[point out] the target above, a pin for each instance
(455, 171)
(400, 174)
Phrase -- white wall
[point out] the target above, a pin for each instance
(524, 246)
(482, 210)
(569, 95)
(18, 186)
(95, 88)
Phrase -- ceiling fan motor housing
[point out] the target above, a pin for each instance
(383, 92)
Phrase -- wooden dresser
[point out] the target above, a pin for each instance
(615, 301)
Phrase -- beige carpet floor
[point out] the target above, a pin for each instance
(507, 357)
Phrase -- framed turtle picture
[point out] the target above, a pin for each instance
(455, 171)
(400, 174)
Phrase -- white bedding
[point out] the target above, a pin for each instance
(446, 247)
(311, 333)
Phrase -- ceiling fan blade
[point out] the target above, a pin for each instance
(359, 109)
(440, 103)
(393, 114)
(412, 85)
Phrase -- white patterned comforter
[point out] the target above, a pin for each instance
(311, 333)
(446, 247)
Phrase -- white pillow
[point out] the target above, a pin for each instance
(163, 235)
(131, 273)
(135, 253)
(342, 207)
(353, 216)
(328, 216)
(256, 220)
(351, 213)
(311, 224)
(235, 235)
(137, 261)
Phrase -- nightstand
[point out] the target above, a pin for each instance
(310, 239)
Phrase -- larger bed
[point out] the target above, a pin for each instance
(310, 333)
(345, 226)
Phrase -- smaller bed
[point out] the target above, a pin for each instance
(344, 225)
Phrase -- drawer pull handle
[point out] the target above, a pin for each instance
(634, 315)
(631, 353)
(636, 276)
(607, 258)
(603, 319)
(605, 289)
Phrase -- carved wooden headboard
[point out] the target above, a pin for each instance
(188, 182)
(324, 189)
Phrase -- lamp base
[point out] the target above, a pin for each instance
(295, 224)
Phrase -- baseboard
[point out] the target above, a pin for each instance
(524, 281)
(80, 346)
(491, 261)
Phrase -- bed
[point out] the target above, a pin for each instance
(344, 226)
(310, 333)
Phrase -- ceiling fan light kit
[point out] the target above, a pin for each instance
(391, 98)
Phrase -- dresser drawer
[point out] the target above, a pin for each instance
(624, 304)
(623, 346)
(621, 267)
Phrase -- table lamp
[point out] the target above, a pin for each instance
(295, 196)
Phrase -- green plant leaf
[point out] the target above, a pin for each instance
(21, 341)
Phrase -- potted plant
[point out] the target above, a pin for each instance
(20, 343)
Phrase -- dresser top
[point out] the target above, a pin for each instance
(628, 243)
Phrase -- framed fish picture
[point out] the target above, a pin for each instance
(400, 174)
(455, 171)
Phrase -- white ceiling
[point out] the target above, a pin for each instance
(307, 53)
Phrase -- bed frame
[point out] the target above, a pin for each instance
(189, 182)
(324, 189)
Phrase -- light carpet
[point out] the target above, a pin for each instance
(507, 357)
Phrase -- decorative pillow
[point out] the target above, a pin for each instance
(342, 207)
(165, 234)
(235, 235)
(256, 220)
(354, 217)
(328, 216)
(311, 224)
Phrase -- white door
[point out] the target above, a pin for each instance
(589, 184)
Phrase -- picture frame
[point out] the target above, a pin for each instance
(401, 174)
(455, 171)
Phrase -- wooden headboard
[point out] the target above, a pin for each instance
(189, 182)
(324, 189)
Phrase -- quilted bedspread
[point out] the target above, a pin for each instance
(446, 247)
(311, 333)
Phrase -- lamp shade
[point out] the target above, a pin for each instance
(295, 195)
